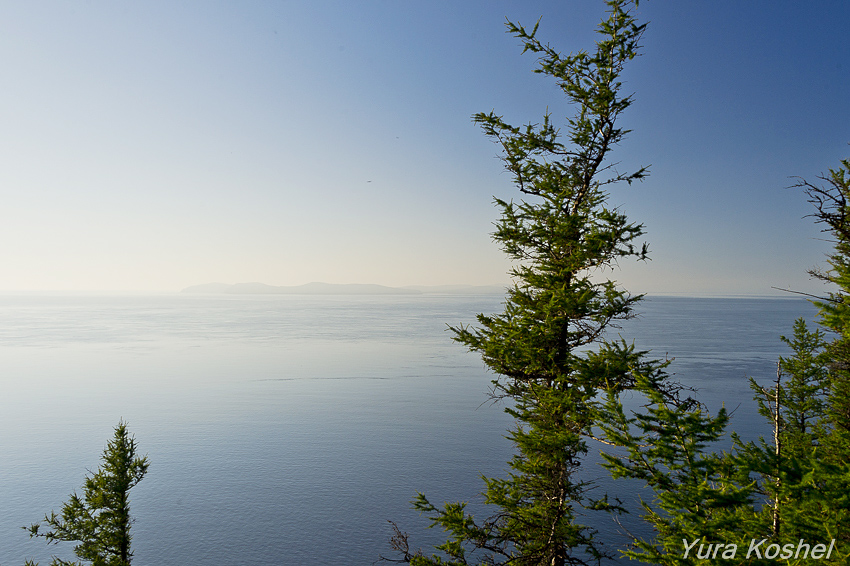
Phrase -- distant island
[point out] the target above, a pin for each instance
(342, 289)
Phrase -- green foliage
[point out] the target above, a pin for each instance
(803, 396)
(99, 521)
(792, 488)
(562, 239)
(829, 472)
(697, 493)
(784, 467)
(563, 381)
(782, 491)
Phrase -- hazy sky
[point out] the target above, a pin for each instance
(156, 145)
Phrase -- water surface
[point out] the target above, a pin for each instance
(289, 429)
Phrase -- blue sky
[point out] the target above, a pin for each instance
(152, 146)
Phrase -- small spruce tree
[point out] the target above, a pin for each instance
(698, 494)
(795, 405)
(99, 521)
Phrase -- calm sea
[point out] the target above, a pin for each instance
(290, 429)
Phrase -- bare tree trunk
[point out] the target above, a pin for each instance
(778, 448)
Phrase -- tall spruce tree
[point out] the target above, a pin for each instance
(99, 521)
(833, 210)
(548, 347)
(830, 470)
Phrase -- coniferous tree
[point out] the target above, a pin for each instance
(698, 494)
(709, 506)
(548, 346)
(795, 405)
(789, 490)
(99, 521)
(799, 489)
(833, 209)
(830, 470)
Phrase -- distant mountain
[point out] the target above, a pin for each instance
(347, 289)
(208, 288)
(307, 289)
(459, 289)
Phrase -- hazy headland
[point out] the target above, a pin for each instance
(317, 288)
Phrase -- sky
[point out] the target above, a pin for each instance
(150, 146)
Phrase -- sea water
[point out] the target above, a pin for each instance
(291, 429)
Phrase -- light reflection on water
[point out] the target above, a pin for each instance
(287, 430)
